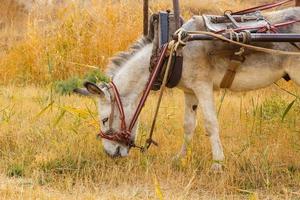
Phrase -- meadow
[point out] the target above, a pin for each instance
(48, 145)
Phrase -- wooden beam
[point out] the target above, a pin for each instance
(146, 17)
(176, 13)
(297, 2)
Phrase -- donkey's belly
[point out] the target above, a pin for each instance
(254, 74)
(255, 80)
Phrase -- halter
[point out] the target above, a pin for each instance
(124, 136)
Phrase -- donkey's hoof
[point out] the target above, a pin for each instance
(217, 167)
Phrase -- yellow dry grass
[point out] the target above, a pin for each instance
(56, 152)
(54, 38)
(48, 143)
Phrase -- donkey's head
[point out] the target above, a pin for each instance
(110, 118)
(130, 70)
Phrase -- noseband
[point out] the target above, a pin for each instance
(123, 136)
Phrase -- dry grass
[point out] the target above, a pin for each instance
(41, 45)
(48, 144)
(57, 149)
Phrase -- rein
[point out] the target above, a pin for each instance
(124, 135)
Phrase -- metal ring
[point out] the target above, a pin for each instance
(228, 12)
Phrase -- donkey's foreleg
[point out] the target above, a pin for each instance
(190, 120)
(204, 93)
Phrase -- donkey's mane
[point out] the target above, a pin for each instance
(118, 60)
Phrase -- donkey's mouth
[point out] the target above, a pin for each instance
(114, 150)
(116, 154)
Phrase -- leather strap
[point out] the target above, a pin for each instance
(235, 63)
(261, 8)
(175, 72)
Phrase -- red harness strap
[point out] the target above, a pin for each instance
(263, 29)
(274, 28)
(262, 7)
(124, 135)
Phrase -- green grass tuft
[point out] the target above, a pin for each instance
(16, 170)
(66, 87)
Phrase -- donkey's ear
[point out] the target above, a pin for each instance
(93, 88)
(82, 91)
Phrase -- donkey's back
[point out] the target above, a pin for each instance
(209, 60)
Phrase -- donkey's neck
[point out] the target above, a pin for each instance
(132, 78)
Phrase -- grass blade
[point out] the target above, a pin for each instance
(62, 113)
(221, 103)
(77, 112)
(288, 108)
(158, 190)
(43, 110)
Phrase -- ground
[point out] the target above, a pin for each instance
(49, 150)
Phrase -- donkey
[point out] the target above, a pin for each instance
(203, 70)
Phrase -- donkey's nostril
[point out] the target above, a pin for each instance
(104, 120)
(117, 153)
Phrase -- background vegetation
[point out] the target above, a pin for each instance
(48, 148)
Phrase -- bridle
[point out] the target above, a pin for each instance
(124, 136)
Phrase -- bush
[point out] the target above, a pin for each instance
(16, 170)
(66, 87)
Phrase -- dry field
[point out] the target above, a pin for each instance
(48, 148)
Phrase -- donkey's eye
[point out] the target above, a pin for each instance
(104, 120)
